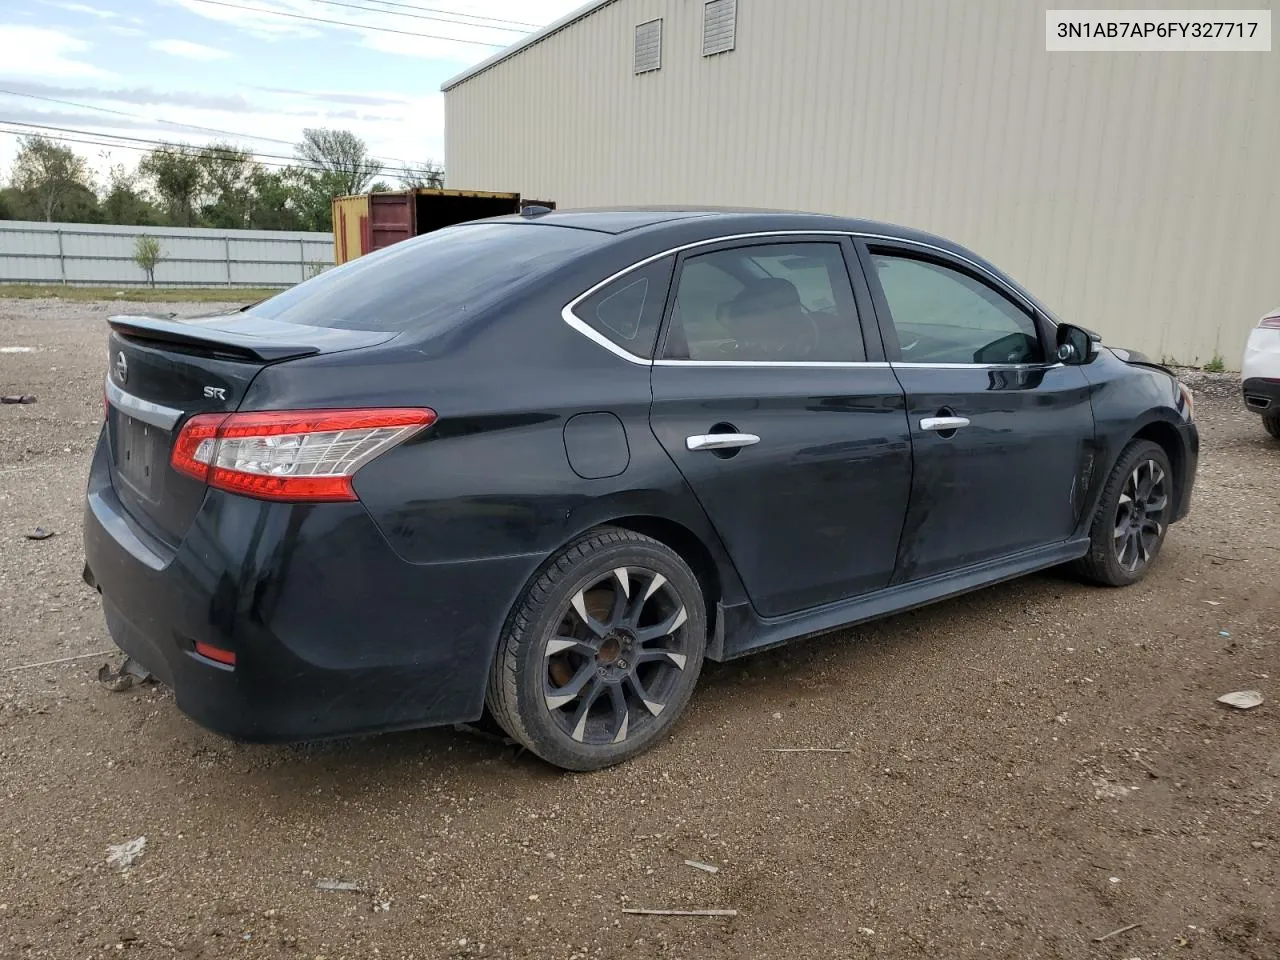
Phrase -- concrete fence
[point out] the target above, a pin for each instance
(95, 254)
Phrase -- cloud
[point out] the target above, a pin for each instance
(264, 26)
(126, 31)
(351, 99)
(190, 51)
(87, 10)
(41, 52)
(139, 96)
(452, 37)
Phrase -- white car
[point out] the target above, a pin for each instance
(1261, 372)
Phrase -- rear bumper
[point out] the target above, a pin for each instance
(1262, 396)
(333, 632)
(1186, 482)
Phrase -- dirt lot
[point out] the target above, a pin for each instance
(1030, 767)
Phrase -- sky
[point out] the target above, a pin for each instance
(144, 68)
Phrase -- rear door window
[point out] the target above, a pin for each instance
(774, 302)
(628, 311)
(436, 279)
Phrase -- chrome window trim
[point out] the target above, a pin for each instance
(582, 327)
(882, 364)
(925, 365)
(155, 414)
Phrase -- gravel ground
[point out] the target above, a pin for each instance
(1030, 767)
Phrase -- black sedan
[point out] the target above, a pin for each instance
(548, 464)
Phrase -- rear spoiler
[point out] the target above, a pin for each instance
(242, 336)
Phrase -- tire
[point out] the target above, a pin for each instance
(1271, 421)
(600, 656)
(1129, 503)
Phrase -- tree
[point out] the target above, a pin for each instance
(228, 181)
(54, 177)
(274, 200)
(341, 154)
(146, 254)
(313, 193)
(125, 201)
(178, 174)
(416, 176)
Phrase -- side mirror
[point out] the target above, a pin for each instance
(1076, 345)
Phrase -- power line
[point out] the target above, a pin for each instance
(346, 23)
(138, 116)
(147, 140)
(388, 161)
(145, 145)
(417, 16)
(458, 13)
(61, 138)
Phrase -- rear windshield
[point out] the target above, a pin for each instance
(430, 280)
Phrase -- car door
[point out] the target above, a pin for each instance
(790, 430)
(1001, 433)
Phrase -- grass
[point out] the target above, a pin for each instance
(23, 291)
(1216, 365)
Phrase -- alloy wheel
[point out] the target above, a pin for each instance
(1144, 499)
(616, 656)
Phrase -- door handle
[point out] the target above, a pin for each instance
(720, 441)
(943, 423)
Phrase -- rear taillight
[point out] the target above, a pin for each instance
(1270, 322)
(291, 454)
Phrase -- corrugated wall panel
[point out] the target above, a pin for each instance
(95, 253)
(1133, 192)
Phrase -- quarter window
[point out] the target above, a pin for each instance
(628, 310)
(942, 315)
(783, 302)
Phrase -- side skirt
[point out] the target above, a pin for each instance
(739, 630)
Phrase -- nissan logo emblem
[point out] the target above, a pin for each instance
(122, 368)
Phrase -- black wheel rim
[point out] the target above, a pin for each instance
(1144, 499)
(617, 656)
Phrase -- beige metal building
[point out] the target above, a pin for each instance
(1133, 192)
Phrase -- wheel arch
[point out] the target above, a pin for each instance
(1164, 433)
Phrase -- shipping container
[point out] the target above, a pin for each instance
(371, 221)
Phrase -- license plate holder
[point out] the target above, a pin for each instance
(139, 453)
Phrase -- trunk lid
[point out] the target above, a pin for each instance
(161, 371)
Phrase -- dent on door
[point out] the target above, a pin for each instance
(1013, 477)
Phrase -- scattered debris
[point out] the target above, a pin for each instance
(19, 398)
(1224, 633)
(125, 855)
(1113, 879)
(1152, 772)
(472, 730)
(16, 349)
(699, 865)
(1257, 844)
(339, 885)
(1117, 932)
(809, 749)
(123, 679)
(680, 913)
(39, 533)
(50, 663)
(867, 930)
(381, 906)
(1214, 556)
(1106, 790)
(1241, 699)
(1212, 603)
